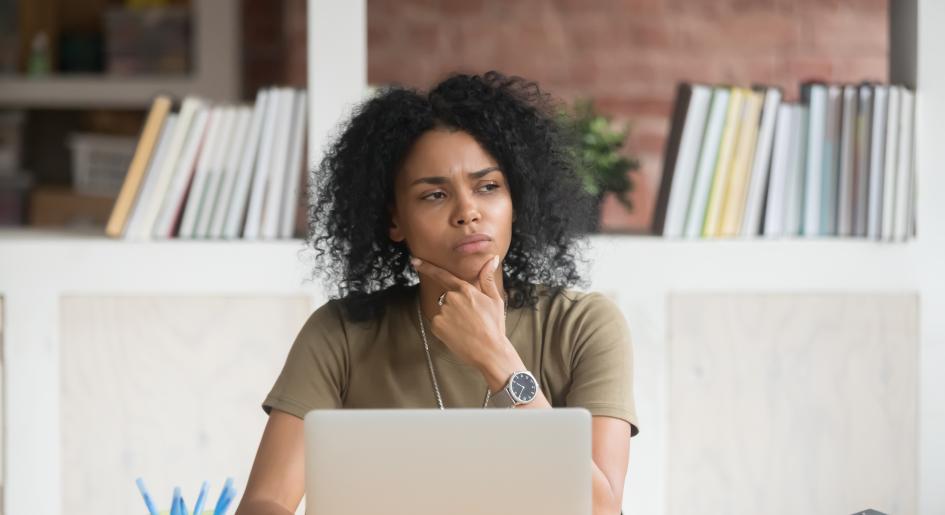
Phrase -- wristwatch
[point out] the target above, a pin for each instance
(521, 389)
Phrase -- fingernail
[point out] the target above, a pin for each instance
(415, 261)
(495, 263)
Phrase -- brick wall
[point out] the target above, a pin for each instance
(628, 55)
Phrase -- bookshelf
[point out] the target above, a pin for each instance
(216, 72)
(38, 268)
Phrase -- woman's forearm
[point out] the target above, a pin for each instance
(605, 503)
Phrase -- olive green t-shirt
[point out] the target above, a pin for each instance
(576, 344)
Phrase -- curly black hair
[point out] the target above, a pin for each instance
(514, 121)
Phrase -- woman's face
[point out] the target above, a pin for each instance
(449, 189)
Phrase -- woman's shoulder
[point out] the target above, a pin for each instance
(575, 302)
(363, 309)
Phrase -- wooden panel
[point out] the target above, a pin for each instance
(166, 388)
(785, 404)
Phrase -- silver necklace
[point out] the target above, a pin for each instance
(426, 348)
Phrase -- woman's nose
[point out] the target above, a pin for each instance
(466, 213)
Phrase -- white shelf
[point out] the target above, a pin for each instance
(91, 91)
(63, 261)
(216, 76)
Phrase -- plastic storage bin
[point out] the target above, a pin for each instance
(100, 162)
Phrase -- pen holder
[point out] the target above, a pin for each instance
(168, 512)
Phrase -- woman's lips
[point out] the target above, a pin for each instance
(473, 247)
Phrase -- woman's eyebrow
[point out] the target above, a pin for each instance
(443, 180)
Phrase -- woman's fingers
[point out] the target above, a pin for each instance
(487, 279)
(446, 279)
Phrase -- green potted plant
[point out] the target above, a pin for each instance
(602, 166)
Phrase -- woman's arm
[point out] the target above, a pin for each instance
(277, 480)
(610, 450)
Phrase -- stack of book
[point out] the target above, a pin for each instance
(215, 171)
(741, 162)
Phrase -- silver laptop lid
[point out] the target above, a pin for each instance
(458, 461)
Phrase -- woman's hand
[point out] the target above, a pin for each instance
(471, 321)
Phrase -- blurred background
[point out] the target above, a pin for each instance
(774, 375)
(626, 56)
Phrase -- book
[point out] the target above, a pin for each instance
(296, 162)
(133, 229)
(846, 193)
(254, 211)
(877, 162)
(831, 165)
(904, 167)
(776, 203)
(891, 162)
(680, 158)
(864, 123)
(165, 225)
(761, 164)
(733, 203)
(814, 95)
(708, 154)
(235, 216)
(195, 194)
(144, 152)
(275, 187)
(713, 216)
(230, 171)
(794, 211)
(185, 117)
(215, 172)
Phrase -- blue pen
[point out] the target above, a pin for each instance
(219, 508)
(175, 502)
(183, 506)
(200, 498)
(226, 502)
(230, 494)
(147, 497)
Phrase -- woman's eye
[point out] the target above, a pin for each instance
(491, 186)
(433, 195)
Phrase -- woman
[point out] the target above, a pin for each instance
(471, 190)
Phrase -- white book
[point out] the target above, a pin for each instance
(877, 162)
(275, 189)
(212, 188)
(195, 194)
(294, 171)
(705, 171)
(904, 168)
(690, 144)
(816, 134)
(846, 193)
(761, 165)
(133, 229)
(235, 215)
(830, 170)
(257, 193)
(776, 204)
(244, 116)
(183, 173)
(864, 126)
(162, 182)
(890, 163)
(797, 172)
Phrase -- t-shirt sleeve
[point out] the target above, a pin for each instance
(316, 369)
(601, 360)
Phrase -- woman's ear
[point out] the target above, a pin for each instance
(396, 234)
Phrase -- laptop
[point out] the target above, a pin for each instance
(457, 461)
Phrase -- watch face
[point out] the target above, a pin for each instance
(523, 387)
